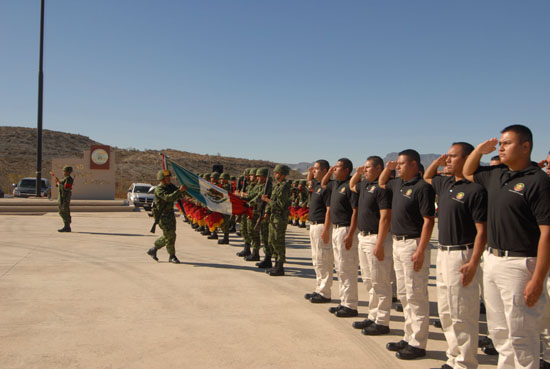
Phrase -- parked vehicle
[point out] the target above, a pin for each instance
(27, 187)
(139, 196)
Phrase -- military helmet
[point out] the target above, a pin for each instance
(303, 182)
(163, 173)
(246, 171)
(233, 178)
(262, 172)
(252, 171)
(68, 169)
(225, 176)
(282, 169)
(206, 175)
(215, 175)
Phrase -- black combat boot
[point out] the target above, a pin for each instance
(224, 240)
(173, 259)
(232, 227)
(153, 253)
(266, 263)
(199, 229)
(66, 228)
(255, 256)
(296, 223)
(303, 225)
(206, 232)
(245, 251)
(213, 236)
(194, 226)
(278, 270)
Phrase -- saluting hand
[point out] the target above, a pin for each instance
(488, 146)
(391, 165)
(360, 169)
(442, 160)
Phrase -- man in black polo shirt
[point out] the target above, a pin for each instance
(518, 249)
(322, 255)
(343, 215)
(375, 246)
(412, 223)
(462, 221)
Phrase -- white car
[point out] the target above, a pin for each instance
(140, 196)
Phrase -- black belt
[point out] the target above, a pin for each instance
(466, 246)
(404, 237)
(365, 233)
(341, 225)
(501, 253)
(315, 223)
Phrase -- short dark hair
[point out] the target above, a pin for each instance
(376, 161)
(466, 148)
(496, 157)
(347, 164)
(323, 164)
(523, 133)
(412, 155)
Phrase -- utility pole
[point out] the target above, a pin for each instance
(40, 100)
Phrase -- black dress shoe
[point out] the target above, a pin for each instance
(484, 341)
(437, 323)
(362, 324)
(399, 308)
(346, 312)
(173, 259)
(446, 366)
(334, 309)
(375, 330)
(410, 353)
(489, 349)
(482, 309)
(317, 298)
(544, 364)
(396, 346)
(307, 296)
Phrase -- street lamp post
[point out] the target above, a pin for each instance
(40, 99)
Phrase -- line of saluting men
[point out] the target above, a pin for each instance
(497, 216)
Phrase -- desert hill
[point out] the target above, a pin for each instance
(18, 158)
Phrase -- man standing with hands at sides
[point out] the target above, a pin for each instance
(343, 215)
(518, 248)
(462, 221)
(375, 246)
(412, 223)
(322, 255)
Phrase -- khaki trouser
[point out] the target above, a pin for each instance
(458, 308)
(412, 290)
(379, 277)
(545, 333)
(346, 262)
(322, 257)
(513, 326)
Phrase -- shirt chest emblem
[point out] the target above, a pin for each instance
(342, 190)
(318, 190)
(518, 188)
(372, 188)
(407, 193)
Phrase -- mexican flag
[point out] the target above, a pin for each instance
(211, 196)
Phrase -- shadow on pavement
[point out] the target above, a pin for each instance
(118, 234)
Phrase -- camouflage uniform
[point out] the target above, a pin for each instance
(277, 210)
(226, 218)
(260, 234)
(165, 196)
(245, 233)
(65, 187)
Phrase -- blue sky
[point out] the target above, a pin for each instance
(286, 81)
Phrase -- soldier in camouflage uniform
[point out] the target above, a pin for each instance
(258, 234)
(224, 183)
(165, 195)
(250, 174)
(277, 214)
(214, 178)
(65, 187)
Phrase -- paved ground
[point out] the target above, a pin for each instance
(94, 299)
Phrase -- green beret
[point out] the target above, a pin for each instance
(215, 175)
(282, 169)
(262, 172)
(225, 176)
(163, 173)
(68, 168)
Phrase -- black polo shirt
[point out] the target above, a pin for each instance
(342, 202)
(518, 203)
(461, 205)
(411, 201)
(320, 199)
(372, 199)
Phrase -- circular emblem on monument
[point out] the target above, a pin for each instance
(99, 156)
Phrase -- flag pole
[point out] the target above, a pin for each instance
(40, 101)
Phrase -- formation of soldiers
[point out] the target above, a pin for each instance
(494, 242)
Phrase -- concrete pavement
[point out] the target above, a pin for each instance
(93, 299)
